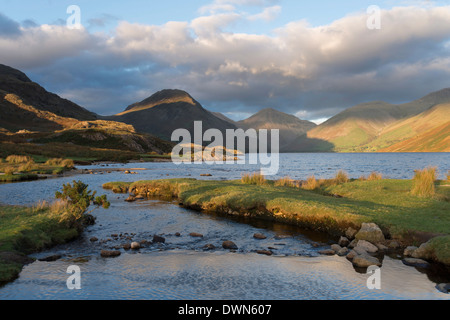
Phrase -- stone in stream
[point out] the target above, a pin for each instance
(351, 255)
(342, 252)
(126, 246)
(93, 239)
(229, 245)
(343, 242)
(366, 246)
(158, 239)
(413, 262)
(196, 235)
(365, 261)
(209, 247)
(51, 258)
(327, 252)
(259, 236)
(370, 232)
(350, 233)
(336, 248)
(130, 199)
(135, 246)
(444, 287)
(409, 251)
(110, 253)
(265, 252)
(177, 234)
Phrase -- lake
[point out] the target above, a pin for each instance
(181, 269)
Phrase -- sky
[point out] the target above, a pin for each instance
(312, 59)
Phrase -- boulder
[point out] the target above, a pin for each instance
(444, 287)
(365, 261)
(393, 245)
(423, 252)
(370, 232)
(110, 254)
(351, 255)
(350, 233)
(413, 262)
(343, 242)
(342, 252)
(158, 239)
(381, 247)
(93, 239)
(126, 246)
(409, 251)
(336, 248)
(135, 245)
(366, 246)
(177, 234)
(353, 244)
(229, 245)
(259, 236)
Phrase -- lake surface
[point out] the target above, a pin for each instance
(181, 269)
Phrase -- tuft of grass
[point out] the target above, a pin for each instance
(255, 179)
(340, 177)
(311, 183)
(9, 171)
(27, 167)
(423, 182)
(374, 176)
(58, 162)
(448, 176)
(285, 182)
(15, 159)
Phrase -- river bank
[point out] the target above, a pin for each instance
(405, 219)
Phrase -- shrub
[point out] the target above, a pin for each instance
(375, 176)
(13, 159)
(423, 182)
(256, 179)
(285, 182)
(340, 177)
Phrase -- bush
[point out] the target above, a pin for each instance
(14, 159)
(423, 182)
(29, 166)
(256, 179)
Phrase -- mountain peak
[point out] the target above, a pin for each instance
(9, 72)
(165, 96)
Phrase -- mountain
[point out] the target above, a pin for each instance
(29, 113)
(168, 110)
(18, 86)
(376, 125)
(290, 126)
(224, 117)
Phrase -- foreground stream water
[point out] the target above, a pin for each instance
(181, 269)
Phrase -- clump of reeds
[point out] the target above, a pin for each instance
(14, 159)
(58, 162)
(340, 177)
(256, 179)
(375, 176)
(9, 171)
(285, 182)
(423, 182)
(27, 167)
(448, 176)
(311, 183)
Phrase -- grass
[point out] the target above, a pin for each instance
(403, 216)
(256, 179)
(423, 182)
(25, 230)
(285, 182)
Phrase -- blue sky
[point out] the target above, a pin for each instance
(308, 58)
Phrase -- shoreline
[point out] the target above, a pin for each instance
(321, 212)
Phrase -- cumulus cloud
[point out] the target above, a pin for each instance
(310, 71)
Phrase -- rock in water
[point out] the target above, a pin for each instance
(370, 232)
(350, 233)
(259, 236)
(366, 246)
(343, 242)
(109, 254)
(365, 261)
(444, 287)
(158, 239)
(229, 245)
(135, 245)
(418, 263)
(196, 235)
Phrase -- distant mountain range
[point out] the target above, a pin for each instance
(422, 125)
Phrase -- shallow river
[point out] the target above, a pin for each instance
(181, 269)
